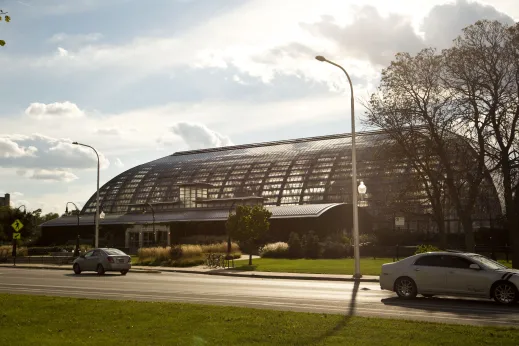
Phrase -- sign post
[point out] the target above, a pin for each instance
(17, 226)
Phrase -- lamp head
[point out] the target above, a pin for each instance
(362, 188)
(320, 58)
(76, 143)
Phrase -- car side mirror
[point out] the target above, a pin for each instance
(475, 266)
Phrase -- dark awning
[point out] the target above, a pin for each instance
(201, 214)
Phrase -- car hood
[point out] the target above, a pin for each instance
(508, 271)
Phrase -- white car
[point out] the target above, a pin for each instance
(451, 274)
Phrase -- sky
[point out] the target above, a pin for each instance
(139, 80)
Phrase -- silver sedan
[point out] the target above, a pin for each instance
(451, 274)
(103, 260)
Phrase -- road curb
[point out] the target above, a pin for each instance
(228, 274)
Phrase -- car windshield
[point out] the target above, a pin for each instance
(488, 262)
(114, 252)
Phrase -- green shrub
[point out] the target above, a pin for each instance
(333, 249)
(295, 248)
(274, 250)
(7, 251)
(220, 247)
(426, 248)
(311, 245)
(175, 252)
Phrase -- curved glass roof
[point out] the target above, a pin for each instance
(293, 172)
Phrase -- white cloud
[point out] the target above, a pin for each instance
(56, 109)
(118, 163)
(45, 152)
(62, 52)
(199, 136)
(48, 175)
(11, 149)
(75, 39)
(112, 131)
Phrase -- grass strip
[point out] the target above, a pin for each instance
(42, 320)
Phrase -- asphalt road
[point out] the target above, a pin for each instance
(364, 299)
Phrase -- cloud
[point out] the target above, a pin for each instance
(11, 149)
(16, 193)
(75, 39)
(62, 52)
(118, 163)
(109, 131)
(445, 22)
(370, 35)
(48, 175)
(41, 152)
(58, 109)
(198, 136)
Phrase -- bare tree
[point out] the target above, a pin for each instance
(483, 72)
(421, 114)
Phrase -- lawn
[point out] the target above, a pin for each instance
(39, 320)
(346, 266)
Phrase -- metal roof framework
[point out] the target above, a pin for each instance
(188, 215)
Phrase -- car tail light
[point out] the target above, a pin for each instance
(110, 259)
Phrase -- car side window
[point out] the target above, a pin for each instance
(96, 253)
(457, 262)
(429, 261)
(89, 253)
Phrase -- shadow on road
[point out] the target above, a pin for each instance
(344, 320)
(93, 275)
(460, 307)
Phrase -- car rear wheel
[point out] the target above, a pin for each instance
(100, 269)
(505, 293)
(77, 269)
(124, 272)
(405, 288)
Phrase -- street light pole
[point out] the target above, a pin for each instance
(14, 240)
(76, 251)
(229, 243)
(354, 172)
(97, 195)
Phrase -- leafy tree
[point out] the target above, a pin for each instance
(7, 19)
(30, 221)
(249, 226)
(295, 248)
(311, 245)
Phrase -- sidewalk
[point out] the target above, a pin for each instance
(210, 271)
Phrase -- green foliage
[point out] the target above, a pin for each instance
(311, 245)
(295, 247)
(249, 226)
(332, 249)
(30, 221)
(426, 248)
(7, 19)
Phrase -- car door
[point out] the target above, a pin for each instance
(461, 280)
(430, 274)
(92, 260)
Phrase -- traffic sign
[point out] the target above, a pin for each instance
(17, 236)
(17, 225)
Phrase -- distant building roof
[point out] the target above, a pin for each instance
(201, 214)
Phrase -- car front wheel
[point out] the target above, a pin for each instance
(505, 293)
(124, 272)
(77, 269)
(405, 288)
